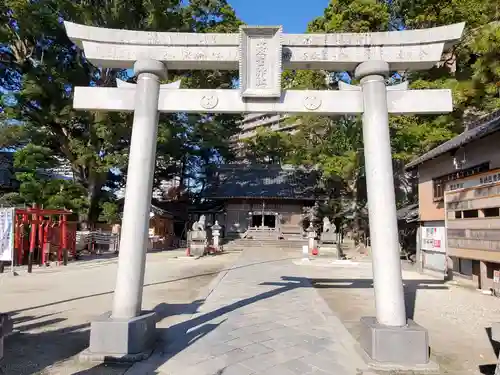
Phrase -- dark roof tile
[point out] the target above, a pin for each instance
(262, 181)
(483, 127)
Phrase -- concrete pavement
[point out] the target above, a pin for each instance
(259, 317)
(52, 307)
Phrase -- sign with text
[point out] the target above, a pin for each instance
(433, 239)
(7, 216)
(260, 61)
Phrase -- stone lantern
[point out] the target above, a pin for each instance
(216, 235)
(311, 236)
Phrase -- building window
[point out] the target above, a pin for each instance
(455, 186)
(469, 214)
(491, 212)
(438, 184)
(438, 190)
(490, 179)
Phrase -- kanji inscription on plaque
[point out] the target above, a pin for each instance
(260, 61)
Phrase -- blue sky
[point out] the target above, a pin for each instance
(294, 15)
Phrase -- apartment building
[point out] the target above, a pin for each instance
(251, 123)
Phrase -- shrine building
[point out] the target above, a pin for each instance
(261, 201)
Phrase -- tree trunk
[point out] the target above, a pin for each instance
(94, 192)
(356, 225)
(356, 230)
(182, 175)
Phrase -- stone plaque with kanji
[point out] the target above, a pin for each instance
(260, 61)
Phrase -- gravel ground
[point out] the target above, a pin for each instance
(458, 319)
(52, 307)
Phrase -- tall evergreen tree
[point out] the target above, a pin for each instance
(39, 66)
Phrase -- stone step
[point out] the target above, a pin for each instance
(287, 238)
(248, 243)
(249, 240)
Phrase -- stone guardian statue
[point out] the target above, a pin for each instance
(197, 237)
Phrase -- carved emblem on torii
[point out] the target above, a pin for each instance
(209, 101)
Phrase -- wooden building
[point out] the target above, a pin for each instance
(166, 224)
(262, 201)
(458, 192)
(472, 207)
(161, 228)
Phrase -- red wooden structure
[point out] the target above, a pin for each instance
(44, 235)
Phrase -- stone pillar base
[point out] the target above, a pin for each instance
(197, 249)
(330, 249)
(6, 326)
(495, 331)
(393, 348)
(121, 340)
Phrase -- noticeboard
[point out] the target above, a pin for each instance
(7, 234)
(433, 239)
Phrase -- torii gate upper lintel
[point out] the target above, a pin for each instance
(260, 53)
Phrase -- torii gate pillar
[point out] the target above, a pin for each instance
(128, 332)
(389, 295)
(127, 298)
(389, 337)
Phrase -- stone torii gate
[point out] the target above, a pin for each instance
(260, 54)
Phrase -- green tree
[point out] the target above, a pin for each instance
(335, 145)
(39, 66)
(37, 185)
(110, 212)
(470, 69)
(352, 16)
(268, 147)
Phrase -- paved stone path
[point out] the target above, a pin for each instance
(261, 317)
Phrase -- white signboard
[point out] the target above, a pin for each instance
(7, 234)
(491, 177)
(433, 239)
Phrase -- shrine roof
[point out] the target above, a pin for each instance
(263, 181)
(408, 213)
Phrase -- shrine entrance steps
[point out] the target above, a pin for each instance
(244, 243)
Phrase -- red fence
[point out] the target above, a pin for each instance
(42, 236)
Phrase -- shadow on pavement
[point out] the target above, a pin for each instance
(180, 336)
(28, 352)
(410, 288)
(490, 369)
(31, 352)
(105, 369)
(145, 286)
(53, 346)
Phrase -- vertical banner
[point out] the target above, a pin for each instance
(7, 234)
